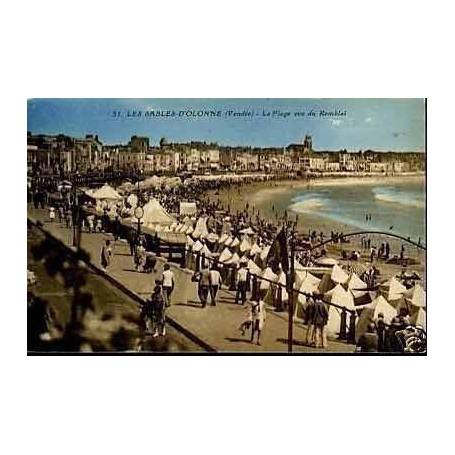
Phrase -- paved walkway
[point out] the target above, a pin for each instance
(217, 326)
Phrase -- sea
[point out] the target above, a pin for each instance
(396, 206)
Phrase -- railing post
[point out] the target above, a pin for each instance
(351, 333)
(342, 335)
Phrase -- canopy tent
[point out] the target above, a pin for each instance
(189, 241)
(188, 208)
(268, 275)
(334, 321)
(155, 214)
(106, 192)
(309, 284)
(338, 275)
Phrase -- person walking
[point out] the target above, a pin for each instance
(159, 311)
(320, 319)
(203, 285)
(309, 316)
(106, 254)
(215, 283)
(51, 214)
(241, 279)
(168, 284)
(258, 319)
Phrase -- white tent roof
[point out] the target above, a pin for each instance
(245, 245)
(255, 249)
(106, 192)
(253, 268)
(223, 238)
(235, 242)
(265, 252)
(225, 255)
(380, 305)
(326, 261)
(212, 237)
(235, 259)
(392, 289)
(338, 275)
(269, 275)
(356, 283)
(419, 318)
(247, 230)
(340, 296)
(189, 241)
(200, 229)
(154, 213)
(416, 296)
(197, 246)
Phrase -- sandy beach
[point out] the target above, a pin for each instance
(266, 199)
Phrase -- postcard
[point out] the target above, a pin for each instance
(226, 226)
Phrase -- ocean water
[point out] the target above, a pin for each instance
(397, 207)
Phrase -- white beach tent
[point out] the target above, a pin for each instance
(245, 245)
(392, 289)
(416, 296)
(340, 296)
(235, 243)
(253, 268)
(420, 318)
(106, 192)
(188, 208)
(155, 214)
(197, 246)
(356, 286)
(223, 238)
(326, 262)
(200, 230)
(338, 275)
(225, 255)
(247, 231)
(255, 249)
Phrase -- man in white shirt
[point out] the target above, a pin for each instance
(168, 284)
(242, 277)
(215, 283)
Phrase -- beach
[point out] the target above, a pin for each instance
(271, 199)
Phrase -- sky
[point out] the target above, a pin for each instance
(357, 123)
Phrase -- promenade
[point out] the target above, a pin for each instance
(216, 326)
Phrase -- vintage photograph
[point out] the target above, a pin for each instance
(226, 226)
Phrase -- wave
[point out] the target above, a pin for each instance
(397, 197)
(307, 205)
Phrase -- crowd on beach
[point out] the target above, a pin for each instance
(210, 277)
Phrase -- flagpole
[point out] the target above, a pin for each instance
(290, 286)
